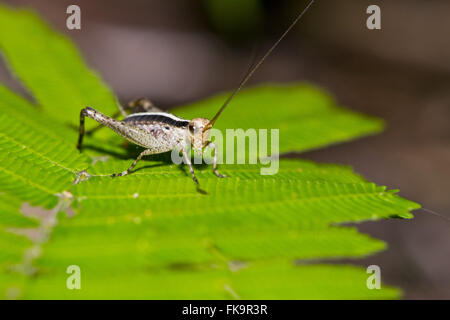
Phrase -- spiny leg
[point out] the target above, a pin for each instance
(138, 105)
(188, 162)
(91, 113)
(83, 114)
(216, 172)
(121, 109)
(91, 131)
(146, 152)
(101, 118)
(143, 105)
(114, 116)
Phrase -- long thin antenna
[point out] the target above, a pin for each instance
(436, 214)
(252, 71)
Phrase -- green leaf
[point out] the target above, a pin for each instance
(306, 116)
(254, 282)
(51, 67)
(151, 234)
(35, 164)
(10, 215)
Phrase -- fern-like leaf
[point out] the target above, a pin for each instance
(151, 234)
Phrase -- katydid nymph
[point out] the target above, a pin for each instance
(158, 131)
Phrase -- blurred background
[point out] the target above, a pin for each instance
(178, 51)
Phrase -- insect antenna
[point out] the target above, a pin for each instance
(252, 70)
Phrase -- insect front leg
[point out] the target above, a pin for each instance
(213, 146)
(146, 152)
(188, 162)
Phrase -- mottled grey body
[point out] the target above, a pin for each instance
(156, 131)
(150, 130)
(164, 131)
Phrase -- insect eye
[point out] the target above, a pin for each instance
(192, 128)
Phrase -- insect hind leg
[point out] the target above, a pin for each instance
(97, 116)
(83, 115)
(143, 105)
(139, 105)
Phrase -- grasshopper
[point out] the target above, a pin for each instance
(155, 130)
(159, 131)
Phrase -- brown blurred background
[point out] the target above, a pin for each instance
(178, 51)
